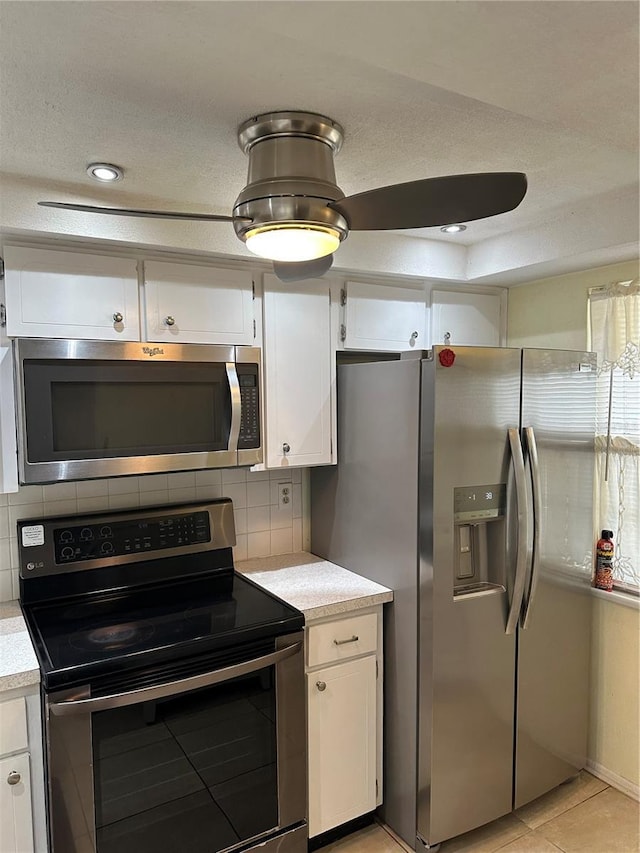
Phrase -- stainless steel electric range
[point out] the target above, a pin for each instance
(172, 687)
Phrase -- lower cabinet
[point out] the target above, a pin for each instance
(16, 820)
(15, 805)
(344, 702)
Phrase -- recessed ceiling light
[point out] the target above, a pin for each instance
(453, 229)
(105, 172)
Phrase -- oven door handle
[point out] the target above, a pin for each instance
(172, 688)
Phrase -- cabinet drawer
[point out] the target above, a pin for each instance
(344, 638)
(13, 726)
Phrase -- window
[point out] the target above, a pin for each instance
(615, 337)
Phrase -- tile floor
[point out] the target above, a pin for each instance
(582, 816)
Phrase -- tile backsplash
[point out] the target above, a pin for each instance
(263, 527)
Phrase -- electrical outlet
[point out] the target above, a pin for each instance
(284, 495)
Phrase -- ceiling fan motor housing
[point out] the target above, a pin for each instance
(291, 176)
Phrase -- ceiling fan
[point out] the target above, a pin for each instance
(293, 212)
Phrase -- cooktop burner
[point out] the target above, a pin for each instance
(112, 637)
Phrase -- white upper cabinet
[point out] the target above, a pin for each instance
(198, 304)
(299, 373)
(383, 318)
(51, 294)
(471, 319)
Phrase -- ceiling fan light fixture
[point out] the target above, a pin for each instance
(292, 241)
(453, 229)
(104, 172)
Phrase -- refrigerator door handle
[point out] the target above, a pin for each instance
(532, 453)
(523, 530)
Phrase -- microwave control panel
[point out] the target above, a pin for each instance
(249, 406)
(121, 538)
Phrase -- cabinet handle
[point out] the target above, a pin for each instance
(353, 639)
(321, 685)
(117, 317)
(169, 321)
(13, 778)
(414, 336)
(285, 448)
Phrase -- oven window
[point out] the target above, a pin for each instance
(94, 410)
(196, 773)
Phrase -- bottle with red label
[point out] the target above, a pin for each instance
(604, 561)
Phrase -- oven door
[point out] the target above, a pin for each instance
(206, 763)
(93, 410)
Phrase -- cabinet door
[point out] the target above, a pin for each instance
(197, 304)
(299, 369)
(342, 743)
(16, 832)
(71, 295)
(383, 318)
(472, 319)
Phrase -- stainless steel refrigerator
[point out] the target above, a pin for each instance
(465, 484)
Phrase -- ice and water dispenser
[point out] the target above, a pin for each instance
(479, 538)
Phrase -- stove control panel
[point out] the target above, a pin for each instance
(74, 544)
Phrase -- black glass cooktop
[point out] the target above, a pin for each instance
(83, 639)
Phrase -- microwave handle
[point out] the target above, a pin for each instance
(70, 707)
(236, 406)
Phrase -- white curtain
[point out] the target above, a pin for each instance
(615, 337)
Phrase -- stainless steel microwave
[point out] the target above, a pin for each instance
(91, 409)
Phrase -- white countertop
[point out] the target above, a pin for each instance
(18, 664)
(315, 586)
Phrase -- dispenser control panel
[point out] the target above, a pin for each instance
(479, 503)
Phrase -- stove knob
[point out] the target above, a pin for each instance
(106, 532)
(13, 778)
(66, 552)
(86, 534)
(66, 536)
(106, 548)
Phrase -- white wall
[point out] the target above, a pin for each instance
(262, 527)
(552, 312)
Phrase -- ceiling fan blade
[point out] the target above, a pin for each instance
(433, 201)
(152, 214)
(289, 271)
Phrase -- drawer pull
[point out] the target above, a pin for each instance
(321, 685)
(13, 778)
(353, 639)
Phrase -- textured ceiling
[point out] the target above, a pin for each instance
(421, 88)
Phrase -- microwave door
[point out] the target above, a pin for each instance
(110, 413)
